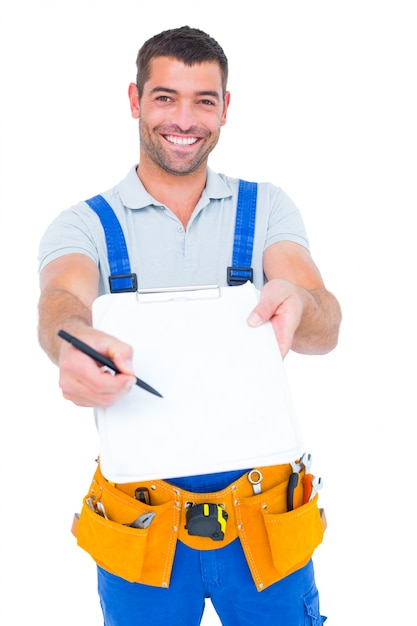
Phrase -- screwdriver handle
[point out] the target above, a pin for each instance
(308, 488)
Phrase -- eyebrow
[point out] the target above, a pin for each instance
(213, 94)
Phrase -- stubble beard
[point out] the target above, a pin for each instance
(180, 166)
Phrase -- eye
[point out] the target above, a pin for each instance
(163, 99)
(208, 102)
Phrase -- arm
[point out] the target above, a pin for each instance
(305, 316)
(69, 286)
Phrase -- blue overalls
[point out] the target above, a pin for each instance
(222, 574)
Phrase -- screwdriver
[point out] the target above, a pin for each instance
(292, 486)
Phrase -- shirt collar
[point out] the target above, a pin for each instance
(134, 195)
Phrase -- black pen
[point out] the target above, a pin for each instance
(103, 360)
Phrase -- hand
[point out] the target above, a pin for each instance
(84, 381)
(282, 304)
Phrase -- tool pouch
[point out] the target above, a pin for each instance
(135, 554)
(96, 535)
(293, 536)
(277, 542)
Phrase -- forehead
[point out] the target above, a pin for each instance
(170, 73)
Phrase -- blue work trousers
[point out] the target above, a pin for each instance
(221, 575)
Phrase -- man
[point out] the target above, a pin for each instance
(178, 218)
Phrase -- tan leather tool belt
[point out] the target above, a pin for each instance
(136, 539)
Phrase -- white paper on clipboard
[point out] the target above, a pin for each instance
(226, 400)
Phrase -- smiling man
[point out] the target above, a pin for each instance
(180, 111)
(179, 220)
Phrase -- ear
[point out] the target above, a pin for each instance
(225, 108)
(134, 101)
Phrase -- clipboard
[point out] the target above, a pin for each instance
(226, 400)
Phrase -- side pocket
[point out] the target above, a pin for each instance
(117, 548)
(293, 536)
(312, 608)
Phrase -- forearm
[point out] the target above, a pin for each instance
(318, 330)
(69, 286)
(59, 309)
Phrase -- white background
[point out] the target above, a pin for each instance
(323, 104)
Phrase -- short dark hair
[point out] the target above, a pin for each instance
(186, 44)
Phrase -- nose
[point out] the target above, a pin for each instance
(184, 116)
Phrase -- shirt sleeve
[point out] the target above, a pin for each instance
(285, 222)
(72, 231)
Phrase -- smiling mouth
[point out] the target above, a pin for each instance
(181, 141)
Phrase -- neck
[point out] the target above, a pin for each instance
(179, 193)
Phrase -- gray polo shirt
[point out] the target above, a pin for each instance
(162, 252)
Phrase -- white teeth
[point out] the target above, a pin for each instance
(181, 141)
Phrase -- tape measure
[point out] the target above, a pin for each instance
(207, 520)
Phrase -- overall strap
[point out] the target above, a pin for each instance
(241, 271)
(121, 278)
